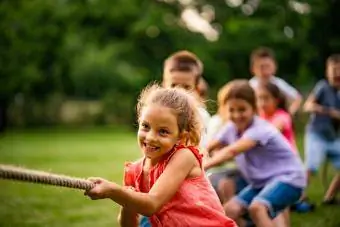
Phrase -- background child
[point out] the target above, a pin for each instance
(275, 174)
(322, 137)
(263, 67)
(168, 184)
(226, 179)
(272, 106)
(184, 69)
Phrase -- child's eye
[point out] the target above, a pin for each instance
(163, 132)
(144, 126)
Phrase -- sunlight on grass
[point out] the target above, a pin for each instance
(86, 153)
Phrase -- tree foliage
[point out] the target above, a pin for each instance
(91, 49)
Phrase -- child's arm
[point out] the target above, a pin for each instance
(220, 140)
(230, 152)
(214, 145)
(294, 107)
(166, 186)
(127, 218)
(294, 97)
(311, 106)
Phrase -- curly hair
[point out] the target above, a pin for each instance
(184, 104)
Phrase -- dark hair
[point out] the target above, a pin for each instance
(184, 61)
(261, 52)
(277, 94)
(237, 89)
(333, 59)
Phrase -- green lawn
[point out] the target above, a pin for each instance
(85, 153)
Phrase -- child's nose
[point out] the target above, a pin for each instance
(150, 136)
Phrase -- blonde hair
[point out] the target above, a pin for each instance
(184, 105)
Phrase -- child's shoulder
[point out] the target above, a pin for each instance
(260, 125)
(131, 171)
(281, 113)
(134, 165)
(323, 83)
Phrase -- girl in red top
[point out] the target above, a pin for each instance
(168, 185)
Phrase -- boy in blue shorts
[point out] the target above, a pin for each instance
(322, 137)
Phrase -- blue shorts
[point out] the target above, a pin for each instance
(234, 174)
(276, 195)
(144, 222)
(318, 149)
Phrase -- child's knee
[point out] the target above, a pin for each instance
(256, 208)
(226, 185)
(233, 209)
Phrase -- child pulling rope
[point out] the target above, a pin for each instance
(34, 176)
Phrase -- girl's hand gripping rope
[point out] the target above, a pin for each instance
(102, 188)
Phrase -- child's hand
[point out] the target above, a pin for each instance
(102, 189)
(334, 113)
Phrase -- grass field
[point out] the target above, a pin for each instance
(84, 153)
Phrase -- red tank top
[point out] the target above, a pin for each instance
(194, 204)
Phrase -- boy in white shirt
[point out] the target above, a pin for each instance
(263, 67)
(184, 69)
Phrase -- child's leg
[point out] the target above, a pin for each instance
(334, 187)
(315, 152)
(237, 206)
(217, 180)
(231, 185)
(273, 199)
(282, 219)
(226, 189)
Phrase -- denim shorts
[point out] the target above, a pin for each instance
(318, 149)
(144, 222)
(233, 174)
(276, 195)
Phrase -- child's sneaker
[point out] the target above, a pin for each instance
(303, 206)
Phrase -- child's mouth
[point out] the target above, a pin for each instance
(150, 148)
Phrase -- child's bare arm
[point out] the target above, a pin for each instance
(127, 218)
(162, 191)
(214, 145)
(311, 106)
(230, 152)
(295, 105)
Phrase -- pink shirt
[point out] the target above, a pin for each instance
(194, 204)
(283, 118)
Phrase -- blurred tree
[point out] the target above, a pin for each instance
(102, 49)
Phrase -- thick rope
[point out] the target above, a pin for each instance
(34, 176)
